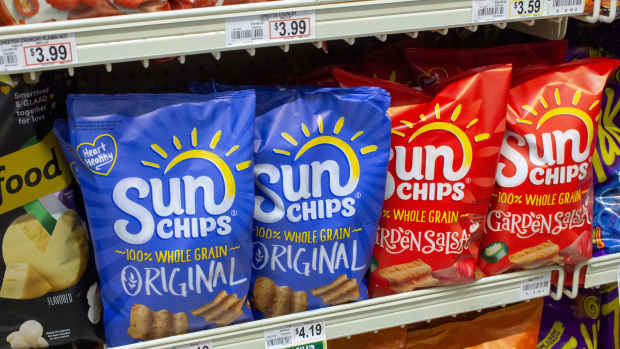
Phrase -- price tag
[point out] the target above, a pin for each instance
(526, 8)
(309, 335)
(566, 7)
(35, 52)
(283, 26)
(538, 286)
(196, 345)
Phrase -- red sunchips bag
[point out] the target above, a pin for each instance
(432, 67)
(440, 178)
(541, 210)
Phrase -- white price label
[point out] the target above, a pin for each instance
(308, 335)
(489, 10)
(35, 52)
(538, 286)
(283, 26)
(196, 345)
(567, 7)
(526, 8)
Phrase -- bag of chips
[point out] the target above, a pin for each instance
(606, 164)
(542, 205)
(38, 11)
(48, 283)
(168, 185)
(321, 158)
(440, 178)
(432, 67)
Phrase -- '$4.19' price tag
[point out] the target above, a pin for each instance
(48, 54)
(526, 8)
(308, 335)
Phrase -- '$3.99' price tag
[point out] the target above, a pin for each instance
(309, 335)
(526, 8)
(48, 54)
(34, 52)
(289, 28)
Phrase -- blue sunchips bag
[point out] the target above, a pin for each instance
(168, 187)
(321, 158)
(606, 163)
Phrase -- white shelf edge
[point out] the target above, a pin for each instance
(172, 33)
(369, 315)
(602, 270)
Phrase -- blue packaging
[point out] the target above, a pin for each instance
(321, 159)
(606, 164)
(168, 187)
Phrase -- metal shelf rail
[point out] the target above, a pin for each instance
(177, 33)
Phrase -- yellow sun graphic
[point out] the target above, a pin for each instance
(334, 140)
(216, 160)
(564, 109)
(447, 126)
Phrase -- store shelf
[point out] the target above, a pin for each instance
(602, 270)
(172, 33)
(374, 314)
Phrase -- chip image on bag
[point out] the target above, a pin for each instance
(541, 210)
(46, 267)
(440, 178)
(320, 163)
(168, 186)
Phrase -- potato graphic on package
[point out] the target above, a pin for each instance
(37, 262)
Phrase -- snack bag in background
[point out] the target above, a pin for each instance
(542, 205)
(513, 327)
(37, 11)
(389, 63)
(606, 164)
(432, 67)
(168, 186)
(321, 158)
(48, 284)
(440, 178)
(389, 338)
(571, 323)
(609, 334)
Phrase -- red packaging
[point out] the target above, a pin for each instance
(432, 67)
(541, 211)
(36, 11)
(389, 63)
(440, 178)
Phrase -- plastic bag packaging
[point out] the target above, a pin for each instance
(440, 178)
(515, 326)
(607, 174)
(542, 205)
(609, 334)
(37, 11)
(48, 283)
(168, 186)
(432, 67)
(321, 159)
(571, 323)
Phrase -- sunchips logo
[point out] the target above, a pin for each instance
(415, 165)
(181, 195)
(302, 183)
(550, 163)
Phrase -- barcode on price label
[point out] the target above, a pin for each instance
(289, 26)
(307, 334)
(538, 286)
(35, 52)
(562, 7)
(488, 10)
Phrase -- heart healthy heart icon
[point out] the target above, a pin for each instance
(100, 155)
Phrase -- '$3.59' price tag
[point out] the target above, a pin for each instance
(308, 335)
(526, 8)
